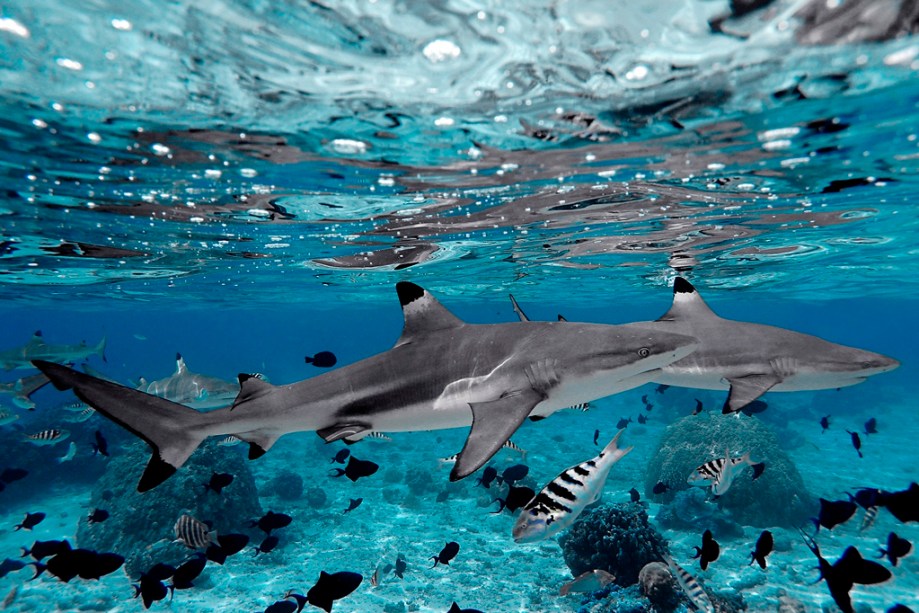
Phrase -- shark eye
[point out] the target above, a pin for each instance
(644, 352)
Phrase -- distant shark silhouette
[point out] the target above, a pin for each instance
(192, 389)
(442, 373)
(37, 349)
(750, 359)
(22, 389)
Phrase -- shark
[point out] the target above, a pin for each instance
(192, 389)
(750, 359)
(442, 373)
(38, 349)
(22, 389)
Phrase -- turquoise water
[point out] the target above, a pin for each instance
(244, 183)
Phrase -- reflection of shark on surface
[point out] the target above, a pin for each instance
(442, 373)
(21, 389)
(751, 359)
(37, 349)
(192, 389)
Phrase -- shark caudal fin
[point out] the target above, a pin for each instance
(171, 429)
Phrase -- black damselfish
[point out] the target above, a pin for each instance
(97, 516)
(356, 469)
(355, 503)
(272, 521)
(513, 474)
(101, 445)
(30, 521)
(764, 545)
(268, 544)
(848, 570)
(516, 498)
(323, 359)
(227, 545)
(709, 551)
(488, 475)
(833, 513)
(218, 482)
(188, 571)
(446, 554)
(896, 548)
(332, 587)
(856, 442)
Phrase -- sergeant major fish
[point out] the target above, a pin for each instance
(693, 590)
(565, 497)
(52, 436)
(720, 474)
(195, 534)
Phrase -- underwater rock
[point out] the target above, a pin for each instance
(787, 604)
(777, 498)
(286, 485)
(657, 583)
(140, 526)
(316, 498)
(691, 509)
(616, 538)
(419, 481)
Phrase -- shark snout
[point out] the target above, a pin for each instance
(879, 363)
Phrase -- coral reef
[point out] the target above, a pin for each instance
(777, 498)
(616, 538)
(316, 498)
(657, 583)
(286, 485)
(140, 526)
(691, 510)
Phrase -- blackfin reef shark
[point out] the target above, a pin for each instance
(38, 349)
(192, 389)
(750, 359)
(441, 373)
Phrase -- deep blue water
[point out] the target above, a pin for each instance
(244, 183)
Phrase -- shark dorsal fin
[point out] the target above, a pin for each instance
(181, 369)
(250, 387)
(687, 303)
(37, 338)
(422, 312)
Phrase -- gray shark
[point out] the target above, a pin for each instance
(22, 389)
(192, 389)
(749, 359)
(441, 373)
(37, 349)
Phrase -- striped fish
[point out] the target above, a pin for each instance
(584, 406)
(80, 417)
(75, 407)
(871, 514)
(693, 590)
(195, 534)
(559, 503)
(378, 436)
(230, 440)
(508, 444)
(713, 472)
(52, 436)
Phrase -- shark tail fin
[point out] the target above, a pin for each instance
(100, 350)
(173, 431)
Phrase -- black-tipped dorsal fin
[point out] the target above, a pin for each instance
(687, 303)
(181, 369)
(422, 312)
(250, 386)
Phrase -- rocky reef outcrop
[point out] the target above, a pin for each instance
(616, 538)
(140, 526)
(777, 498)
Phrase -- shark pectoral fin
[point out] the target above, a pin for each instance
(520, 314)
(745, 390)
(349, 432)
(493, 423)
(259, 442)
